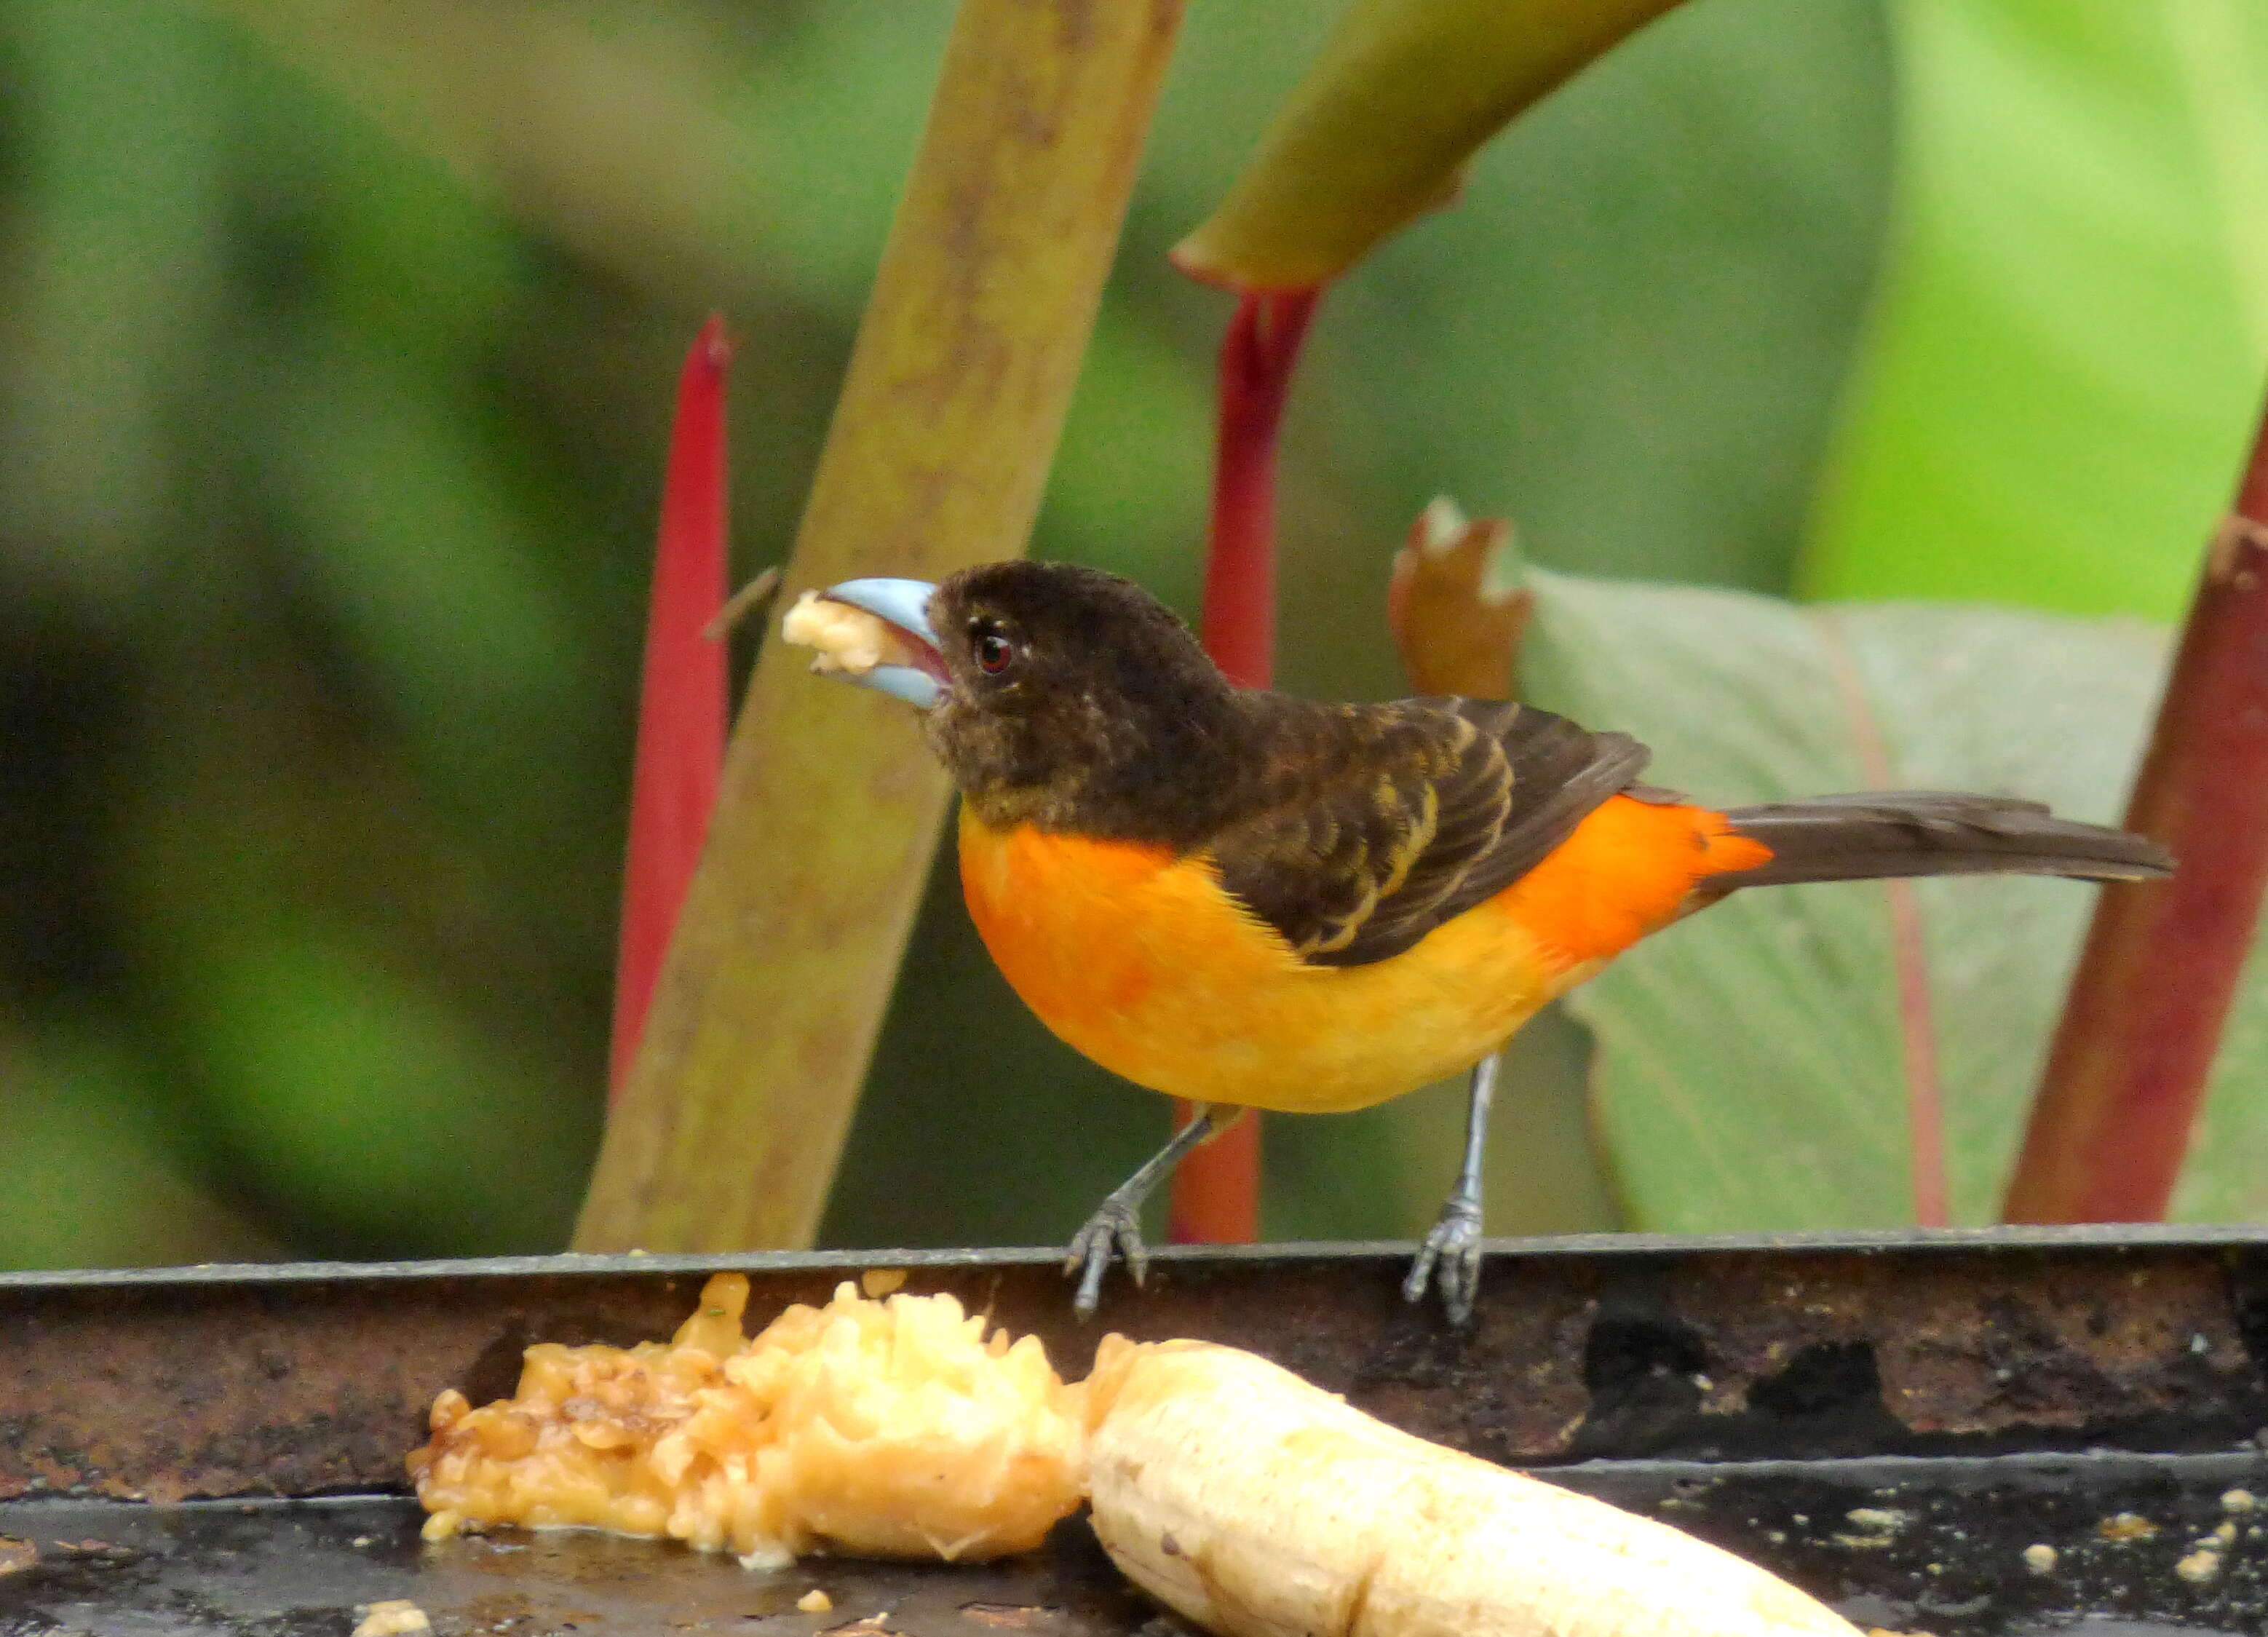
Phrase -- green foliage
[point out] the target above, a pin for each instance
(2064, 367)
(336, 379)
(92, 1172)
(1751, 1072)
(360, 1106)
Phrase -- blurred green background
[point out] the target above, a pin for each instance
(336, 345)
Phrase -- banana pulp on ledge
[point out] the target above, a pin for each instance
(878, 1428)
(1226, 1487)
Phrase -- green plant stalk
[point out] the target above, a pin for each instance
(727, 1133)
(1379, 131)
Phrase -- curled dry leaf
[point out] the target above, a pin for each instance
(1455, 607)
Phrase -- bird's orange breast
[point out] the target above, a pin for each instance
(1137, 958)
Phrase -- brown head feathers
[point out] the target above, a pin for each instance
(1078, 701)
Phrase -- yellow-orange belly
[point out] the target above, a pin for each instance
(1138, 960)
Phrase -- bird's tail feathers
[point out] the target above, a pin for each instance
(1869, 835)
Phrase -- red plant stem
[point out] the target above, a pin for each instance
(1239, 623)
(681, 732)
(1216, 1191)
(2127, 1072)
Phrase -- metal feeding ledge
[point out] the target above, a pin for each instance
(1958, 1433)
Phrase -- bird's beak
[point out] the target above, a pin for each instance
(915, 671)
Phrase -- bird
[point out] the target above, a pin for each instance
(1247, 899)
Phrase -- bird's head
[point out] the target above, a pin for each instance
(1054, 694)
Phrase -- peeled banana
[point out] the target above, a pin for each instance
(1259, 1505)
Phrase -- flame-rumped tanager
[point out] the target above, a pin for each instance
(1248, 900)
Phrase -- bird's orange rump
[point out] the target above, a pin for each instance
(1629, 869)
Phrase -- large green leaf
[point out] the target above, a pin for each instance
(1752, 1070)
(2066, 358)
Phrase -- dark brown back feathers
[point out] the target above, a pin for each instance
(1377, 823)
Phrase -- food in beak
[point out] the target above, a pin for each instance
(848, 641)
(876, 633)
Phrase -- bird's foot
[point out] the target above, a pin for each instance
(1114, 1226)
(1451, 1259)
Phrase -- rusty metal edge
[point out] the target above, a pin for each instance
(311, 1377)
(2086, 1236)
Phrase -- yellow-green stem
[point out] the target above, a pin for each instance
(727, 1133)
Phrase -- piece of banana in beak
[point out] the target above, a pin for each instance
(848, 641)
(874, 632)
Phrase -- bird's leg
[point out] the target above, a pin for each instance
(1455, 1245)
(1116, 1223)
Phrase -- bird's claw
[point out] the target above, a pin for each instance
(1453, 1248)
(1114, 1226)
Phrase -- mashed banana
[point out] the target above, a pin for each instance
(885, 1428)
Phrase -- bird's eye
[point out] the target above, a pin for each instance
(994, 651)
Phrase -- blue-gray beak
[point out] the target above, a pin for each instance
(903, 604)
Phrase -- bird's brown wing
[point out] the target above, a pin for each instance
(1382, 821)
